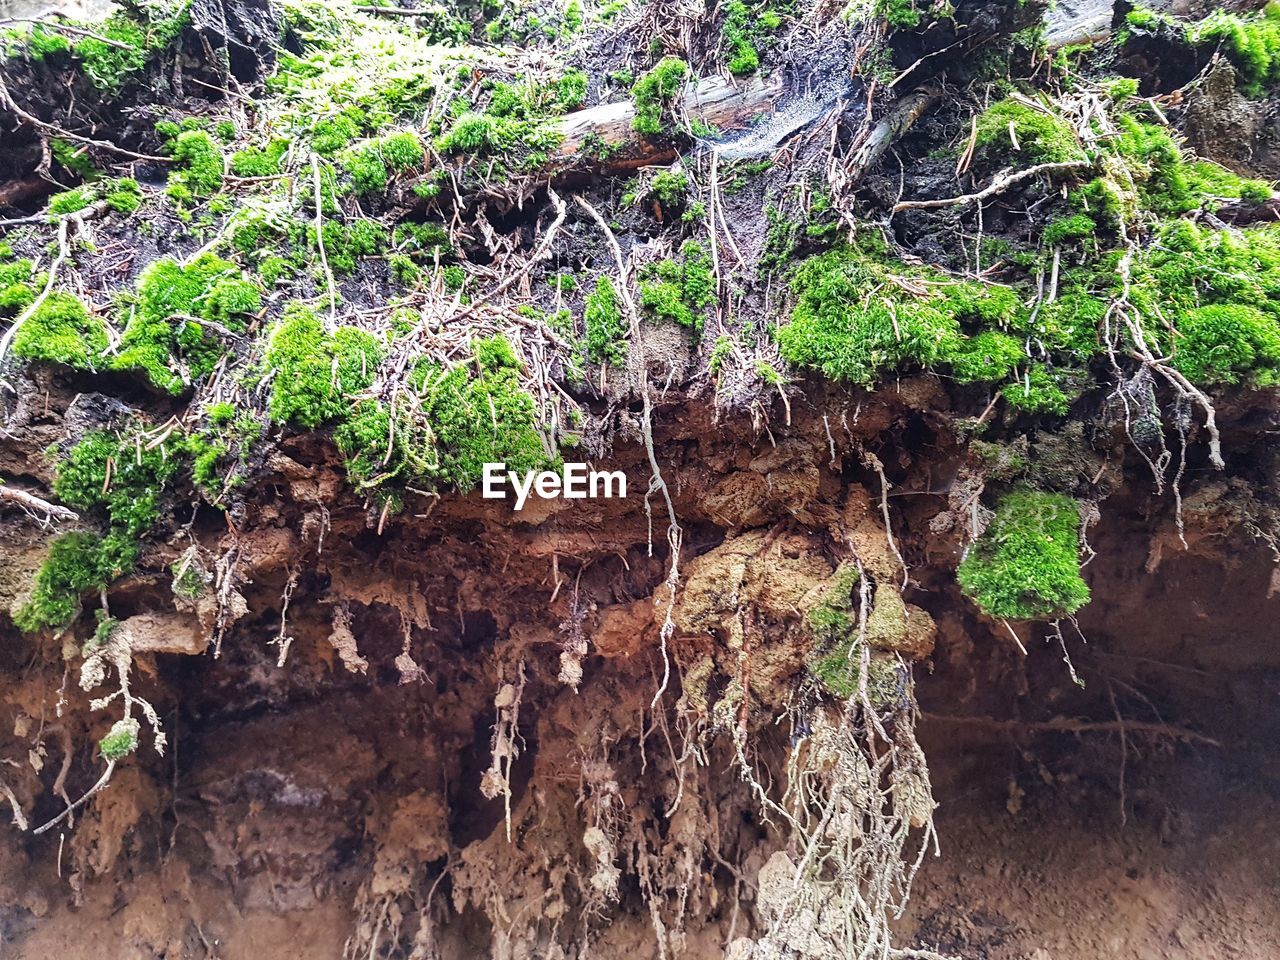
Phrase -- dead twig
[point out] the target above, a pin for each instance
(33, 503)
(1072, 725)
(999, 185)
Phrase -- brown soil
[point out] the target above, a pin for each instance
(459, 757)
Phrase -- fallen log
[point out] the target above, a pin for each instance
(606, 131)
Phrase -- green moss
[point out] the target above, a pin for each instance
(680, 289)
(40, 42)
(571, 89)
(425, 240)
(489, 134)
(198, 165)
(119, 476)
(990, 355)
(137, 39)
(1066, 229)
(346, 243)
(120, 479)
(1251, 43)
(745, 29)
(403, 269)
(123, 195)
(273, 268)
(455, 278)
(121, 741)
(1227, 343)
(260, 161)
(655, 91)
(458, 421)
(1220, 290)
(669, 187)
(1026, 566)
(61, 330)
(220, 450)
(331, 134)
(859, 315)
(721, 350)
(606, 328)
(164, 338)
(1069, 324)
(316, 373)
(1120, 89)
(72, 568)
(1042, 136)
(1037, 392)
(371, 165)
(71, 201)
(17, 285)
(832, 623)
(903, 14)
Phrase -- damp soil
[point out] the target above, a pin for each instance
(304, 809)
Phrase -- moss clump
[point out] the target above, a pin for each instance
(346, 243)
(124, 195)
(38, 42)
(260, 161)
(61, 330)
(164, 338)
(605, 326)
(189, 578)
(990, 355)
(458, 421)
(199, 166)
(745, 28)
(680, 289)
(121, 740)
(73, 567)
(315, 372)
(371, 165)
(655, 91)
(137, 38)
(1220, 290)
(1251, 43)
(1037, 392)
(120, 480)
(1042, 137)
(836, 663)
(71, 201)
(1026, 566)
(17, 285)
(913, 318)
(831, 621)
(1069, 325)
(331, 134)
(1227, 343)
(485, 419)
(118, 476)
(220, 450)
(903, 14)
(571, 89)
(426, 241)
(669, 187)
(1078, 226)
(527, 139)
